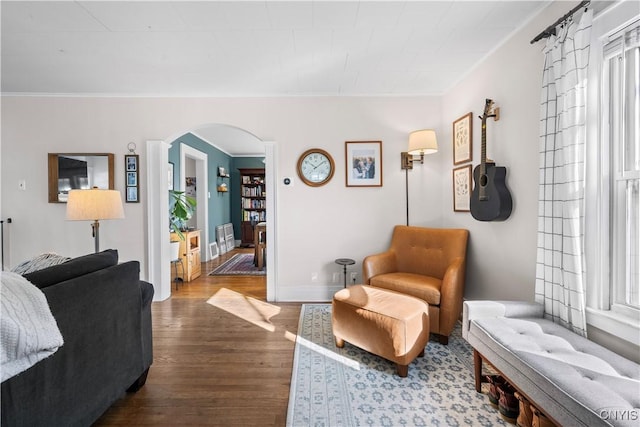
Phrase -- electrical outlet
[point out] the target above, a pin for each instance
(354, 276)
(314, 277)
(336, 277)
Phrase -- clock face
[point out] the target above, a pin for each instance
(315, 167)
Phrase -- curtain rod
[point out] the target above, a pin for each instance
(551, 29)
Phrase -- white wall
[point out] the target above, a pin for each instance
(502, 255)
(316, 225)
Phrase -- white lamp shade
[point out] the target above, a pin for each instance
(423, 142)
(94, 204)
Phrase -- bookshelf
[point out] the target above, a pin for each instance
(253, 202)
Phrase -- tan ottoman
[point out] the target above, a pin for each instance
(386, 323)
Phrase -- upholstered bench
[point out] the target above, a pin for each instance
(388, 324)
(573, 381)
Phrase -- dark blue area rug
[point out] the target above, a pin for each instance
(239, 265)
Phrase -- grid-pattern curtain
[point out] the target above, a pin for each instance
(560, 256)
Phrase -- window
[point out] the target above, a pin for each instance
(621, 87)
(612, 193)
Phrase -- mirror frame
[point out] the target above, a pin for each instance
(53, 172)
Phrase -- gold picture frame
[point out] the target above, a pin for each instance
(363, 163)
(462, 189)
(462, 139)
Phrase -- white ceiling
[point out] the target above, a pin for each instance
(249, 48)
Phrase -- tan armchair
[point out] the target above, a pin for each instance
(428, 263)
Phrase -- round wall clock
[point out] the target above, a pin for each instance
(315, 167)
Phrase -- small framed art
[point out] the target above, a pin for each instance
(462, 189)
(132, 178)
(363, 163)
(170, 177)
(132, 195)
(462, 137)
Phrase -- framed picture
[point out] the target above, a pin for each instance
(363, 163)
(462, 137)
(170, 177)
(132, 194)
(132, 177)
(462, 189)
(131, 162)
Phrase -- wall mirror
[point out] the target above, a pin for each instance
(69, 171)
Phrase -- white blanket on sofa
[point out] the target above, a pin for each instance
(28, 331)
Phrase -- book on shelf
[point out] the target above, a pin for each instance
(255, 216)
(252, 192)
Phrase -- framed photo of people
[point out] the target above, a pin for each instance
(363, 163)
(132, 178)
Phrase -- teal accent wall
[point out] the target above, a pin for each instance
(219, 203)
(223, 207)
(236, 202)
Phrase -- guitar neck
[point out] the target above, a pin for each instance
(483, 149)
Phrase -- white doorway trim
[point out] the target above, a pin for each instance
(272, 230)
(158, 271)
(158, 257)
(202, 192)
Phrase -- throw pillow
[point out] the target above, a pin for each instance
(38, 263)
(76, 267)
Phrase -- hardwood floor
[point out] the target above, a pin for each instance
(222, 356)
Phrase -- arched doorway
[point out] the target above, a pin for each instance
(158, 216)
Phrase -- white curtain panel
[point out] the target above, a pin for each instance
(560, 256)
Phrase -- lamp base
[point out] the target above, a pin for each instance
(95, 228)
(406, 160)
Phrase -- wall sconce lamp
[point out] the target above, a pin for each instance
(421, 142)
(94, 204)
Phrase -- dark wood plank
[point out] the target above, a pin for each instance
(227, 362)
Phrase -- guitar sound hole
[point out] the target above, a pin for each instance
(483, 180)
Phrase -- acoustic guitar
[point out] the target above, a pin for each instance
(490, 199)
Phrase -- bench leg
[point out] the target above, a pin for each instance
(421, 353)
(403, 370)
(477, 370)
(339, 342)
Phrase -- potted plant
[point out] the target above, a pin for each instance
(181, 209)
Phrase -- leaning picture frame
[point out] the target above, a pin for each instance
(462, 139)
(462, 189)
(363, 163)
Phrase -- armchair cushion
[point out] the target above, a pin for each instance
(424, 287)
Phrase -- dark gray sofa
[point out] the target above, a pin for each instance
(103, 311)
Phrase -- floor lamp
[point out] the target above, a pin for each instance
(421, 142)
(93, 205)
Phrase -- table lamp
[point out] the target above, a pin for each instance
(94, 204)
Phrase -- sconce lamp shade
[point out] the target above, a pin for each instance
(422, 142)
(94, 204)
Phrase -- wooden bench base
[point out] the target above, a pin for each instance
(543, 419)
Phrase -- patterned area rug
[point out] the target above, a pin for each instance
(351, 387)
(239, 265)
